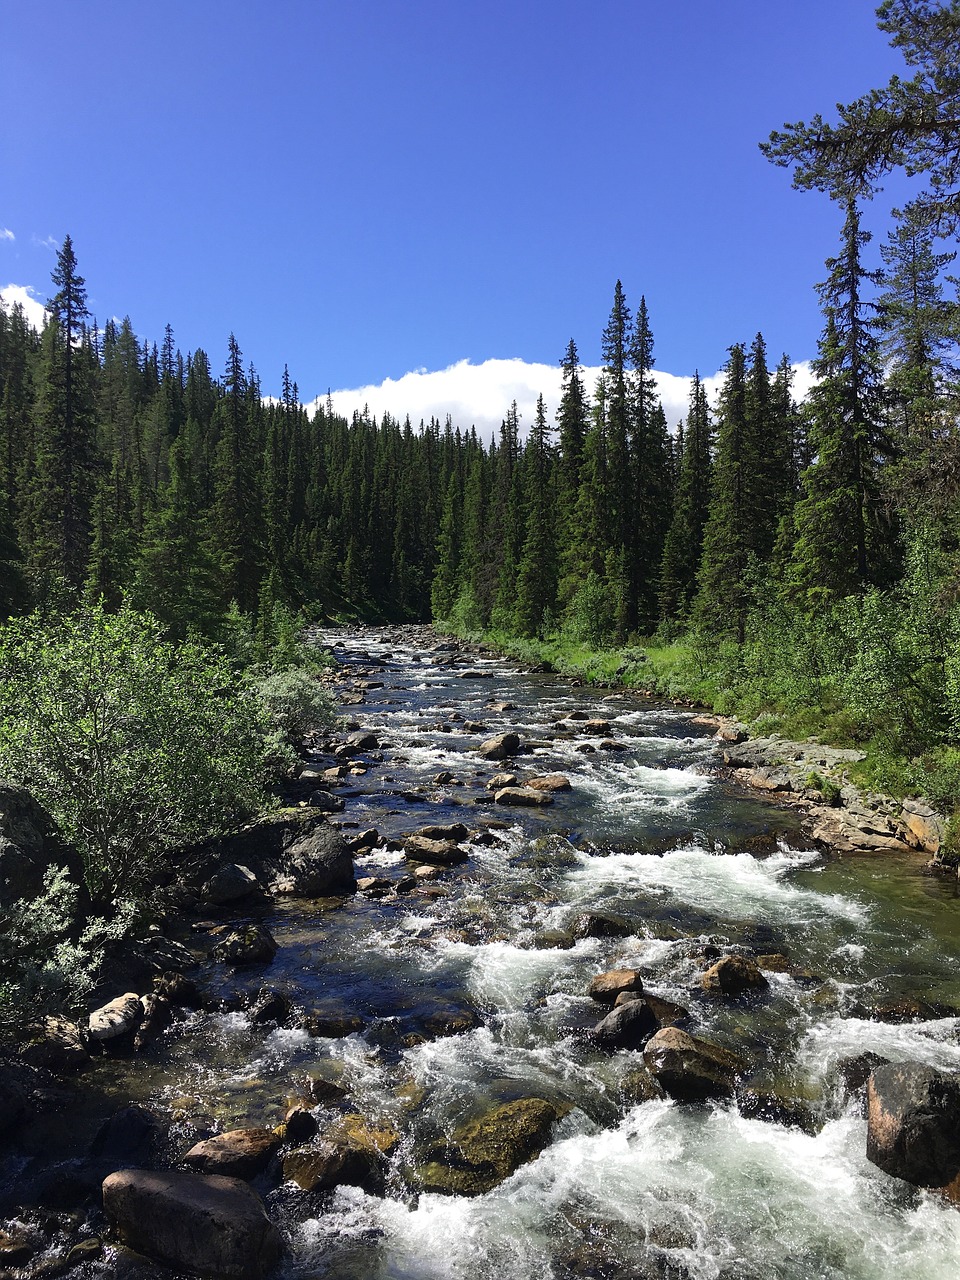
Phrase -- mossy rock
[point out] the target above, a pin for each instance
(355, 1131)
(484, 1151)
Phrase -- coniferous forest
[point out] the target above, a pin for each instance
(798, 561)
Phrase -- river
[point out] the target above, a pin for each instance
(648, 834)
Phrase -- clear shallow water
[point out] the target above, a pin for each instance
(646, 834)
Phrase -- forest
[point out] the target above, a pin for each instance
(793, 563)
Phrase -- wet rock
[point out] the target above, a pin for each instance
(180, 992)
(364, 840)
(299, 1125)
(55, 1044)
(439, 852)
(230, 883)
(452, 831)
(240, 1153)
(319, 1090)
(593, 924)
(18, 1245)
(329, 1164)
(638, 1085)
(611, 744)
(318, 864)
(524, 796)
(628, 1026)
(374, 886)
(666, 1012)
(474, 726)
(501, 780)
(331, 1023)
(733, 976)
(450, 1020)
(605, 987)
(119, 1017)
(363, 740)
(442, 778)
(270, 1007)
(856, 1071)
(596, 728)
(500, 747)
(483, 1152)
(500, 707)
(776, 1108)
(554, 939)
(130, 1136)
(691, 1070)
(250, 944)
(209, 1224)
(157, 1016)
(324, 802)
(549, 782)
(910, 1010)
(913, 1123)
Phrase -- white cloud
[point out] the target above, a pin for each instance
(46, 242)
(6, 234)
(25, 295)
(480, 394)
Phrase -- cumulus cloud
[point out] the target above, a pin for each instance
(32, 306)
(480, 394)
(6, 234)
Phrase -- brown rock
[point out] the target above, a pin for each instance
(212, 1225)
(913, 1123)
(691, 1070)
(549, 782)
(442, 853)
(241, 1153)
(501, 780)
(605, 987)
(523, 796)
(500, 747)
(732, 976)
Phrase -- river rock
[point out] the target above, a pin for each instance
(230, 883)
(362, 740)
(484, 1151)
(777, 1108)
(452, 831)
(549, 782)
(691, 1070)
(326, 1165)
(500, 747)
(250, 944)
(316, 865)
(732, 976)
(666, 1012)
(208, 1224)
(925, 828)
(130, 1136)
(501, 780)
(270, 1006)
(594, 924)
(628, 1026)
(524, 796)
(605, 987)
(913, 1123)
(443, 853)
(55, 1044)
(157, 1016)
(299, 1125)
(324, 802)
(119, 1017)
(240, 1153)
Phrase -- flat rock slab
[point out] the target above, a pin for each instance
(605, 987)
(212, 1225)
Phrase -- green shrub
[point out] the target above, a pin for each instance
(295, 704)
(135, 744)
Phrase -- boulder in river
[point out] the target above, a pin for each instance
(231, 882)
(594, 924)
(691, 1070)
(486, 1150)
(501, 780)
(119, 1017)
(317, 864)
(549, 782)
(628, 1026)
(208, 1224)
(326, 1165)
(526, 797)
(733, 976)
(250, 944)
(500, 747)
(240, 1153)
(453, 831)
(913, 1123)
(442, 853)
(605, 987)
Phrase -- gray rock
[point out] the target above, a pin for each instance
(324, 802)
(526, 797)
(628, 1026)
(442, 853)
(119, 1017)
(913, 1123)
(209, 1224)
(317, 864)
(691, 1070)
(250, 944)
(230, 883)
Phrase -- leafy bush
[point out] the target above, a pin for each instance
(46, 963)
(294, 704)
(135, 744)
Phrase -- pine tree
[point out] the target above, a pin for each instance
(536, 588)
(684, 542)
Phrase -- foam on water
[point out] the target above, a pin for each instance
(737, 886)
(509, 978)
(826, 1043)
(706, 1191)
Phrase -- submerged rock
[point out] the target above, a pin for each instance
(593, 924)
(483, 1152)
(913, 1123)
(209, 1224)
(691, 1070)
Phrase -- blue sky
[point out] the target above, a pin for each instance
(366, 188)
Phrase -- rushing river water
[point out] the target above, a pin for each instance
(626, 1189)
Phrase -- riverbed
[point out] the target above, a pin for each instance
(471, 990)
